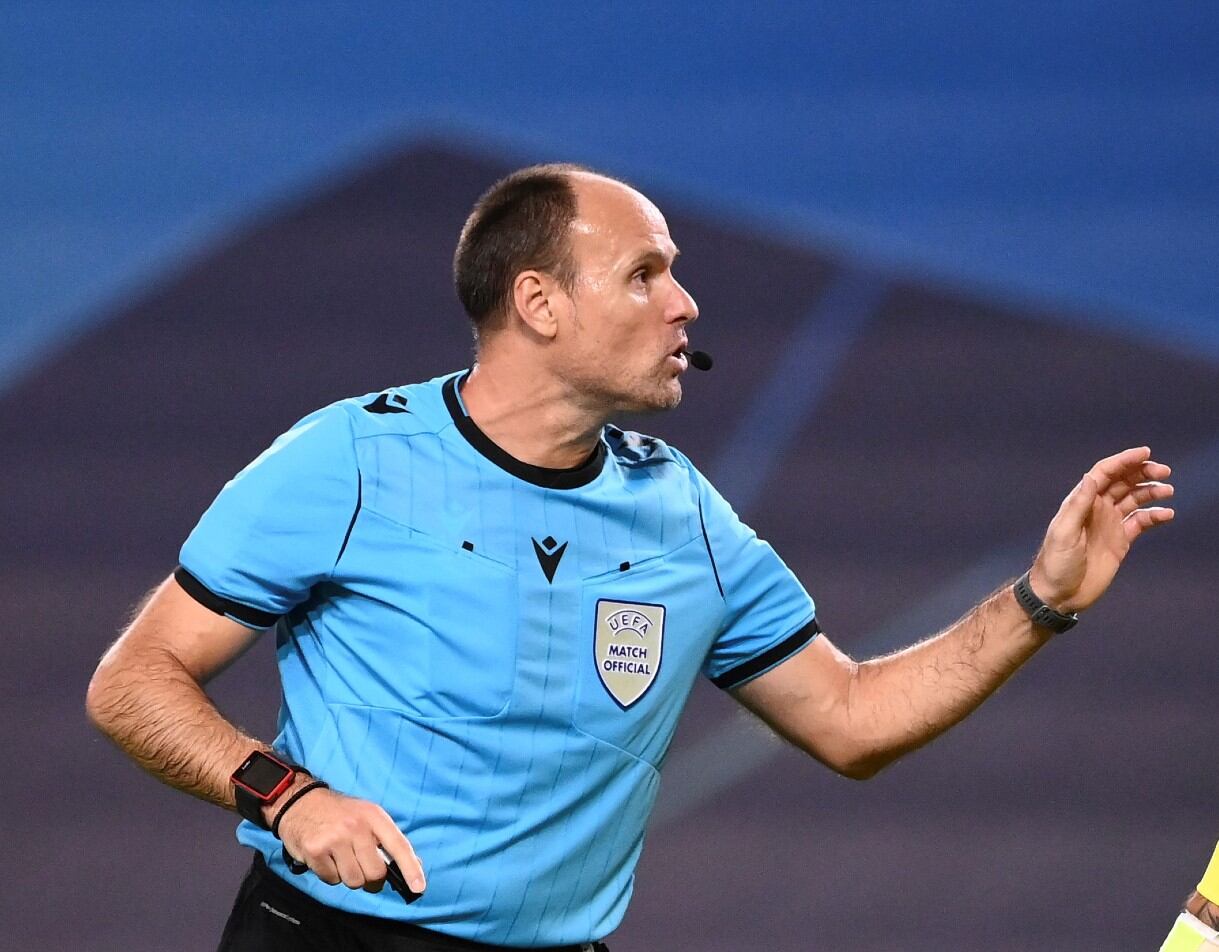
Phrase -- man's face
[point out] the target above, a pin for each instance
(630, 314)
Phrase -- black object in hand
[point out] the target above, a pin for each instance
(394, 877)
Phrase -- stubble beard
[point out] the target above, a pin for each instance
(647, 393)
(651, 396)
(642, 396)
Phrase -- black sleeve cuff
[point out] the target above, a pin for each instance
(768, 658)
(252, 617)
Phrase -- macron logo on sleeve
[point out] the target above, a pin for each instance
(386, 403)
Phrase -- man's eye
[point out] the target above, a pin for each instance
(640, 275)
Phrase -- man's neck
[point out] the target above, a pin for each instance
(531, 416)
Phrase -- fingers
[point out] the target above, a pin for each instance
(1110, 468)
(1141, 520)
(323, 867)
(339, 837)
(357, 865)
(1142, 494)
(372, 867)
(1154, 470)
(1116, 475)
(348, 865)
(399, 849)
(1150, 471)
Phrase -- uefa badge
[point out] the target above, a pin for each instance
(630, 636)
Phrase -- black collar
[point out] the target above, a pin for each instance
(569, 478)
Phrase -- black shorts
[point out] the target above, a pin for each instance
(272, 916)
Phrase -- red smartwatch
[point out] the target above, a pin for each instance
(261, 780)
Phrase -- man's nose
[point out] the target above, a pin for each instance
(684, 307)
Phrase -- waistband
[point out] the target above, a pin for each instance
(396, 927)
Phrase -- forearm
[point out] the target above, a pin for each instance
(153, 709)
(899, 702)
(147, 696)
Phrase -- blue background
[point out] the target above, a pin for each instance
(1060, 152)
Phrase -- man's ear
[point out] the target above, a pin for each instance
(540, 302)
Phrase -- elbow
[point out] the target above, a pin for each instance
(863, 769)
(100, 699)
(857, 761)
(95, 700)
(862, 748)
(860, 768)
(109, 696)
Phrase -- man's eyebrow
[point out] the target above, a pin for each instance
(653, 254)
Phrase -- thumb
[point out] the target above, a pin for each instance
(1076, 507)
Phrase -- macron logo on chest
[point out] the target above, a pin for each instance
(549, 554)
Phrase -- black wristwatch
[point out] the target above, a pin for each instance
(261, 780)
(1041, 613)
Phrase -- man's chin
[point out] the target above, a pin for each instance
(672, 398)
(666, 398)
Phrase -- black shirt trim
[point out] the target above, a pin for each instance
(571, 478)
(355, 514)
(707, 542)
(221, 605)
(772, 656)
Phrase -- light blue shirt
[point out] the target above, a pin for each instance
(496, 653)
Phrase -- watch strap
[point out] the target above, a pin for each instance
(1041, 613)
(250, 807)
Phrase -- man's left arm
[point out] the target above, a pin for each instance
(859, 717)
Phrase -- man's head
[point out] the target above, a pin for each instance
(578, 264)
(520, 223)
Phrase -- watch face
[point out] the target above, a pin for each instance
(261, 774)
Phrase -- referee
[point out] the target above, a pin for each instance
(490, 606)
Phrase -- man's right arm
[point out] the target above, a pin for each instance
(147, 696)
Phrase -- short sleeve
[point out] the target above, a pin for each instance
(278, 527)
(769, 615)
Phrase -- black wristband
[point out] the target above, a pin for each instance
(311, 785)
(1041, 613)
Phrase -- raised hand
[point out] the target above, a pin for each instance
(1095, 526)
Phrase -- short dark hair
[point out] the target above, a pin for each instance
(521, 222)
